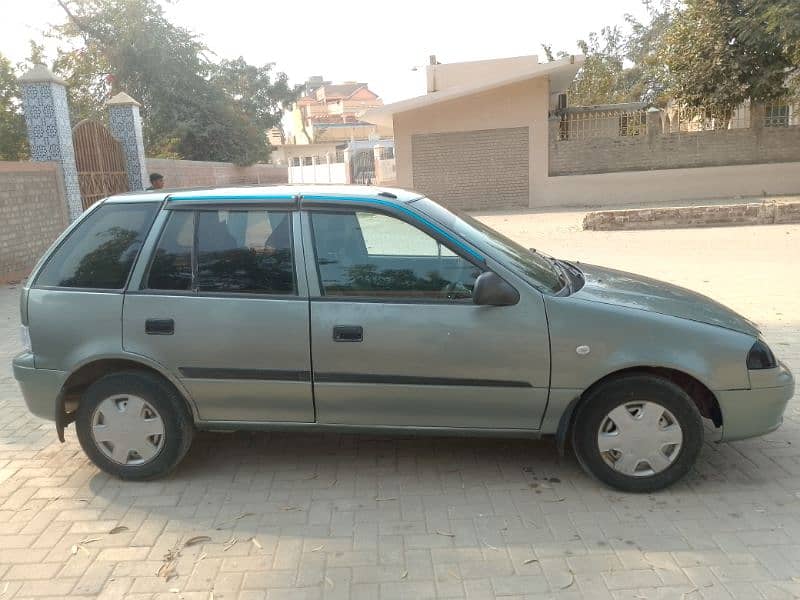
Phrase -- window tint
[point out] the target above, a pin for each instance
(247, 251)
(374, 255)
(100, 251)
(171, 266)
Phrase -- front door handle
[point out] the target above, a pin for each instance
(159, 326)
(348, 333)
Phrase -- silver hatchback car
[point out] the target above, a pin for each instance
(362, 309)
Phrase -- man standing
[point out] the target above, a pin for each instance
(156, 181)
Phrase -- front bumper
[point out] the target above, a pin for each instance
(40, 387)
(759, 410)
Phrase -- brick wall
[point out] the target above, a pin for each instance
(674, 150)
(473, 170)
(33, 212)
(193, 173)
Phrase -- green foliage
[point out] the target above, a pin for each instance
(709, 53)
(192, 108)
(13, 135)
(601, 80)
(780, 19)
(710, 65)
(623, 65)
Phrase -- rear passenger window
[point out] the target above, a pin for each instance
(242, 251)
(100, 251)
(245, 251)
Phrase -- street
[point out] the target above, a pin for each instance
(291, 516)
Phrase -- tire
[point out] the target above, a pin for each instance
(147, 425)
(647, 408)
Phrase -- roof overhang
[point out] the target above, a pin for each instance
(560, 73)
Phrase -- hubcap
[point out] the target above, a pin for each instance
(127, 429)
(639, 439)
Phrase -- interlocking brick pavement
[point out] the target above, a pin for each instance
(293, 516)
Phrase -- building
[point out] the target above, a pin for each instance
(328, 142)
(330, 112)
(479, 138)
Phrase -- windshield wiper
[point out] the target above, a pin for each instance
(563, 278)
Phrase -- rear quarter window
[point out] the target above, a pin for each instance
(100, 251)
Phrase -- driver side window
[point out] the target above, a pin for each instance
(373, 255)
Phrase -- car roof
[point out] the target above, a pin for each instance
(285, 192)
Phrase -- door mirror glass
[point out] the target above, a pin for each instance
(491, 290)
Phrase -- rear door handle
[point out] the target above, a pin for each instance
(159, 326)
(348, 333)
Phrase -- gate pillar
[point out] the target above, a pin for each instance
(125, 124)
(44, 102)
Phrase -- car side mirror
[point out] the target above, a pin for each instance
(491, 290)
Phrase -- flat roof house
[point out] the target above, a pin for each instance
(478, 140)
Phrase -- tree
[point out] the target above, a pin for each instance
(255, 91)
(648, 79)
(601, 79)
(190, 105)
(781, 19)
(712, 66)
(620, 66)
(13, 134)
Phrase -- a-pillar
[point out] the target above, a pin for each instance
(126, 127)
(44, 102)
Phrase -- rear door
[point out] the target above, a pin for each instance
(397, 340)
(221, 306)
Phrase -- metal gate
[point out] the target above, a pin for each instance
(100, 162)
(362, 167)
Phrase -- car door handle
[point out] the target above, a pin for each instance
(348, 333)
(159, 326)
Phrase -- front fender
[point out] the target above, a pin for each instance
(590, 340)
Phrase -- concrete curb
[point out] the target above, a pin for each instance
(724, 215)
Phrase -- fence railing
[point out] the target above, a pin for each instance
(685, 119)
(586, 124)
(782, 113)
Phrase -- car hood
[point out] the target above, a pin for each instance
(634, 291)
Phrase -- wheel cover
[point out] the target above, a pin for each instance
(127, 429)
(639, 439)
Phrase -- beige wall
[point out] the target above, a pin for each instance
(194, 173)
(666, 186)
(33, 212)
(445, 76)
(519, 105)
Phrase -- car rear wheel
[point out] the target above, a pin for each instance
(133, 425)
(637, 433)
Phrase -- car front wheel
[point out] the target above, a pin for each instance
(637, 433)
(133, 425)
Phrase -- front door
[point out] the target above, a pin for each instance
(396, 339)
(221, 307)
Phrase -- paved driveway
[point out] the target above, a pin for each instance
(342, 516)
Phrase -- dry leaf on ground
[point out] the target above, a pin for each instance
(445, 533)
(198, 539)
(118, 529)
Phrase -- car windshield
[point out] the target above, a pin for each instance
(538, 270)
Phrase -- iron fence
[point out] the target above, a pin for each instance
(586, 124)
(685, 119)
(782, 113)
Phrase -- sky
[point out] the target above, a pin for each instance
(375, 42)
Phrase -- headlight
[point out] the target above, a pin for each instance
(761, 357)
(25, 337)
